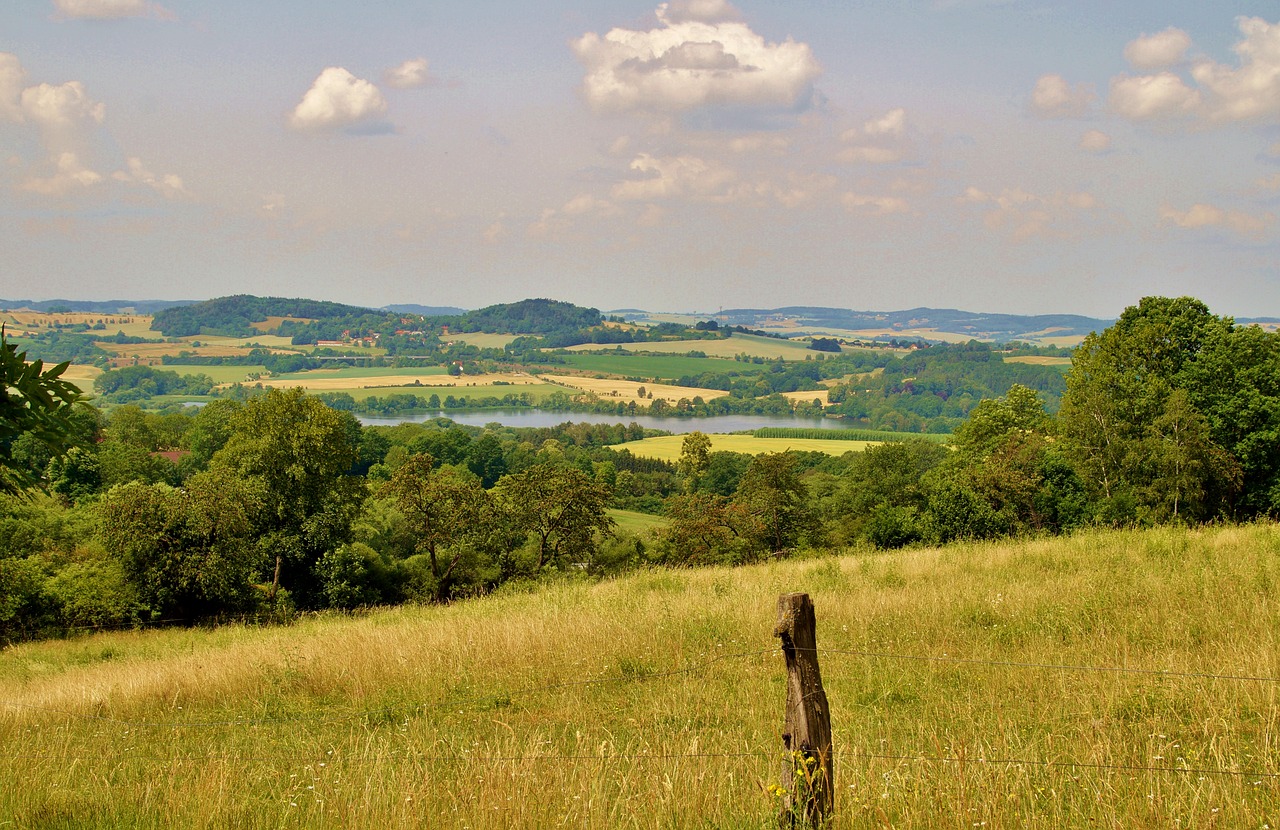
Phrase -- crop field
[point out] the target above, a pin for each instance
(274, 322)
(81, 375)
(1112, 679)
(668, 447)
(323, 380)
(470, 388)
(1039, 360)
(628, 391)
(134, 325)
(749, 344)
(820, 395)
(667, 367)
(363, 372)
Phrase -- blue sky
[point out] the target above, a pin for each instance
(1022, 156)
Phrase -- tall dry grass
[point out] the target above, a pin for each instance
(655, 700)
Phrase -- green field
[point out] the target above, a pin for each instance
(483, 340)
(362, 372)
(638, 524)
(220, 374)
(1114, 679)
(668, 447)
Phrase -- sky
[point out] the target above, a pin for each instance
(1016, 156)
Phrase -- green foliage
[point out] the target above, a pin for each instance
(37, 404)
(772, 494)
(846, 434)
(234, 316)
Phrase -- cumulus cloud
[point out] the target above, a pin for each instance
(676, 177)
(1250, 91)
(409, 75)
(880, 141)
(1158, 51)
(1054, 97)
(110, 9)
(339, 100)
(1027, 215)
(12, 78)
(1247, 91)
(1095, 141)
(62, 107)
(1211, 216)
(169, 185)
(700, 55)
(1152, 96)
(69, 174)
(874, 205)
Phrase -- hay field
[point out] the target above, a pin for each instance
(82, 375)
(1040, 360)
(482, 340)
(626, 390)
(1108, 680)
(134, 325)
(821, 395)
(668, 447)
(325, 380)
(749, 344)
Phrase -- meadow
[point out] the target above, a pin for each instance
(629, 391)
(1113, 679)
(669, 447)
(769, 348)
(665, 366)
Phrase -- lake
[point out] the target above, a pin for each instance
(541, 418)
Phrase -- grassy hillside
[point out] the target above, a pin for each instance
(1107, 680)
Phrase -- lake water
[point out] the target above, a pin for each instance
(679, 426)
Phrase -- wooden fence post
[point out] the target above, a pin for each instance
(808, 777)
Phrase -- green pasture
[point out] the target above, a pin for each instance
(220, 374)
(669, 447)
(639, 524)
(482, 340)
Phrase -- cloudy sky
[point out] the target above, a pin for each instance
(1017, 156)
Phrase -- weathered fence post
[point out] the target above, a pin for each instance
(808, 777)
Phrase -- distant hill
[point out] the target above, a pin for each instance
(977, 325)
(234, 316)
(96, 306)
(425, 310)
(530, 317)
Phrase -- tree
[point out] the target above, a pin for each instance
(449, 514)
(704, 529)
(772, 494)
(695, 457)
(299, 453)
(36, 403)
(562, 507)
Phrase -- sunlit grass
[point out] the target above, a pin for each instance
(669, 447)
(550, 707)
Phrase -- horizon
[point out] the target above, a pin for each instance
(1035, 156)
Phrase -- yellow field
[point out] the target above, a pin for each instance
(1040, 360)
(82, 375)
(668, 447)
(808, 397)
(134, 325)
(766, 347)
(274, 322)
(325, 380)
(625, 390)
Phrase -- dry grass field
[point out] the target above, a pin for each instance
(1040, 360)
(820, 395)
(322, 380)
(668, 447)
(627, 391)
(134, 325)
(1113, 679)
(750, 345)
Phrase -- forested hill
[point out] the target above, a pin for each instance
(234, 316)
(529, 317)
(975, 324)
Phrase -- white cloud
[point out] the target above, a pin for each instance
(1211, 216)
(676, 177)
(1095, 141)
(1054, 97)
(874, 205)
(1158, 51)
(110, 9)
(12, 78)
(1152, 96)
(338, 100)
(699, 56)
(409, 75)
(169, 185)
(880, 141)
(69, 174)
(62, 107)
(1252, 90)
(1027, 215)
(893, 122)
